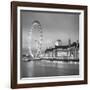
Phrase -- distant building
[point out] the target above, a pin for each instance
(58, 43)
(70, 51)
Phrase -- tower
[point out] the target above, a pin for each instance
(69, 42)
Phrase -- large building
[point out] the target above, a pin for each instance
(69, 51)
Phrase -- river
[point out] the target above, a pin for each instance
(46, 68)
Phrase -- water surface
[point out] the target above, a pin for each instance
(48, 68)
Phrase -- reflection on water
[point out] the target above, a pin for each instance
(48, 68)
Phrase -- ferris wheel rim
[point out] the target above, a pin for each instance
(41, 35)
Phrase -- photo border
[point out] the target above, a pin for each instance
(14, 38)
(50, 78)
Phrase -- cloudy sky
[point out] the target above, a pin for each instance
(55, 26)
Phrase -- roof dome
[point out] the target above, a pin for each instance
(58, 43)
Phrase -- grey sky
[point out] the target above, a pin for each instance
(55, 26)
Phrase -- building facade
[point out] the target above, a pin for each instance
(70, 51)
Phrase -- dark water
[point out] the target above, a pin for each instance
(48, 68)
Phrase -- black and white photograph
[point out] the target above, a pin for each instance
(49, 44)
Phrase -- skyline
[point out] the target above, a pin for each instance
(55, 26)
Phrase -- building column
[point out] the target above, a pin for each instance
(56, 53)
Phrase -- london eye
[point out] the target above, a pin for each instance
(36, 26)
